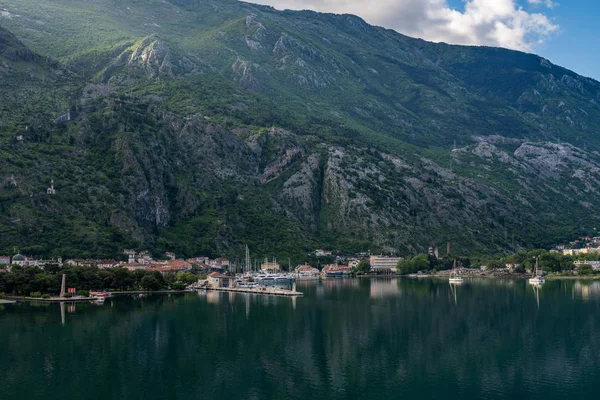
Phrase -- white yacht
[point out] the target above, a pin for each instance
(454, 278)
(537, 277)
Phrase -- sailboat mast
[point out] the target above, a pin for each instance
(248, 266)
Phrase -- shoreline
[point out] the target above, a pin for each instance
(515, 277)
(126, 292)
(16, 299)
(573, 278)
(466, 276)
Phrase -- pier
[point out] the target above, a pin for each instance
(14, 299)
(271, 291)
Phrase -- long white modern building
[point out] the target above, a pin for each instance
(385, 263)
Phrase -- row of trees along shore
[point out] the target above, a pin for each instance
(22, 281)
(549, 262)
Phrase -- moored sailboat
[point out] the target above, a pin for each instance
(454, 278)
(537, 277)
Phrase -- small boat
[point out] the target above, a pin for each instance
(537, 278)
(100, 295)
(454, 278)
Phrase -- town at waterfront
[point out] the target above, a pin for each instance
(29, 278)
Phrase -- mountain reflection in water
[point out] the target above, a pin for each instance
(345, 339)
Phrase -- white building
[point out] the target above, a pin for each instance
(594, 264)
(51, 191)
(270, 267)
(130, 255)
(20, 260)
(381, 263)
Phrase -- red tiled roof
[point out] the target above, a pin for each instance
(179, 264)
(305, 268)
(333, 268)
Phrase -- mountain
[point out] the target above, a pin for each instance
(197, 126)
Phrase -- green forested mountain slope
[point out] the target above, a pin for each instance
(201, 125)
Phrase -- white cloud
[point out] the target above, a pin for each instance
(501, 23)
(547, 3)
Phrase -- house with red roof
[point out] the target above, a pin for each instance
(306, 270)
(333, 270)
(170, 266)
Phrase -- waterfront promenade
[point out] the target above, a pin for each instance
(272, 291)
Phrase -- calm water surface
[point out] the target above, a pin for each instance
(346, 339)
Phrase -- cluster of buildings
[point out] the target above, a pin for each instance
(344, 266)
(18, 259)
(135, 261)
(144, 261)
(583, 245)
(170, 263)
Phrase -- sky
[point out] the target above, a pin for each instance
(567, 32)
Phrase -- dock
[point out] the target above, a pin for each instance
(50, 300)
(271, 291)
(6, 302)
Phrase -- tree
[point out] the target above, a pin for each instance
(121, 278)
(363, 267)
(404, 267)
(149, 282)
(585, 269)
(496, 264)
(420, 262)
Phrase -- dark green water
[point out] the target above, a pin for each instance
(346, 339)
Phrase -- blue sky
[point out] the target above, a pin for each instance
(564, 31)
(576, 45)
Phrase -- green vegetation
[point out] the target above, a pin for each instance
(363, 267)
(33, 281)
(175, 150)
(519, 263)
(426, 263)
